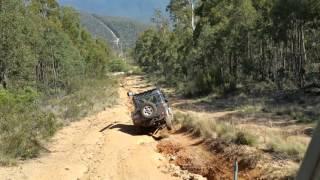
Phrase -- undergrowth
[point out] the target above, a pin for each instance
(86, 97)
(289, 146)
(28, 118)
(212, 129)
(22, 125)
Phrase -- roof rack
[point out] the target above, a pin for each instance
(147, 92)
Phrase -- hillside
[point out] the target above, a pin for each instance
(127, 30)
(141, 10)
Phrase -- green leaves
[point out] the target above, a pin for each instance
(44, 45)
(44, 53)
(235, 42)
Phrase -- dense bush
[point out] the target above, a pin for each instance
(52, 71)
(118, 65)
(23, 127)
(43, 45)
(233, 43)
(28, 118)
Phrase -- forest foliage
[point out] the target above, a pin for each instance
(236, 43)
(51, 69)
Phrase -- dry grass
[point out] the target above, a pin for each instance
(290, 146)
(212, 129)
(87, 97)
(280, 172)
(250, 108)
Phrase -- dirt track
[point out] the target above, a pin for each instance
(90, 149)
(106, 146)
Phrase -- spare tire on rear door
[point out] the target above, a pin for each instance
(148, 110)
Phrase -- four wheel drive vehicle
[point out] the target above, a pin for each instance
(151, 109)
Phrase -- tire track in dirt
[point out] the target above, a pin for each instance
(87, 150)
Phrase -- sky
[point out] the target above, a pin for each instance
(141, 10)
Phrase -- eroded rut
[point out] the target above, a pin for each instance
(90, 149)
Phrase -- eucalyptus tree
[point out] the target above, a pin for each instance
(14, 52)
(182, 12)
(236, 42)
(43, 45)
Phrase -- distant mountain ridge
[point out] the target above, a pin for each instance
(113, 29)
(141, 10)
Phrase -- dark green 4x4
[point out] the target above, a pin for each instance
(151, 109)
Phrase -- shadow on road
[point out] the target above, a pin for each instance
(129, 129)
(134, 130)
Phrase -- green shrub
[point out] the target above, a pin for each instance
(118, 65)
(27, 119)
(22, 134)
(23, 126)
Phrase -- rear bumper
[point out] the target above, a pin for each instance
(139, 120)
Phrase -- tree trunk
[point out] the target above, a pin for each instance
(192, 15)
(4, 81)
(263, 51)
(303, 56)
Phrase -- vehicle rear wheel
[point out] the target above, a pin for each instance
(148, 110)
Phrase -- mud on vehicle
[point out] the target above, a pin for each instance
(151, 109)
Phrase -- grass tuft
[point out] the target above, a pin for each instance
(245, 138)
(85, 98)
(290, 146)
